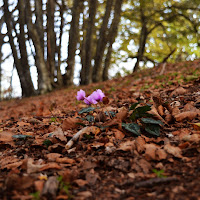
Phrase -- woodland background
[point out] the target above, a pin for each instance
(54, 35)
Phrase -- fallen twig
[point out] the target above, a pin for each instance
(155, 181)
(75, 138)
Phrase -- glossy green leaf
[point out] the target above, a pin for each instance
(86, 110)
(132, 127)
(153, 129)
(90, 118)
(151, 121)
(133, 106)
(21, 136)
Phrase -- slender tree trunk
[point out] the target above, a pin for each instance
(86, 78)
(142, 43)
(51, 39)
(23, 50)
(101, 44)
(58, 65)
(23, 77)
(39, 21)
(73, 40)
(44, 81)
(111, 37)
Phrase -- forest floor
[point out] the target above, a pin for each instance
(111, 159)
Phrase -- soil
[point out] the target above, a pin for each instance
(42, 157)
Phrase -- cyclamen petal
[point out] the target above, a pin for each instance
(100, 94)
(89, 100)
(80, 95)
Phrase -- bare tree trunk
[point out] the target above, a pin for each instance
(58, 65)
(22, 48)
(101, 44)
(44, 81)
(86, 78)
(39, 21)
(73, 40)
(111, 37)
(24, 76)
(51, 39)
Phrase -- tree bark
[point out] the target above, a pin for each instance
(73, 41)
(51, 39)
(23, 71)
(86, 78)
(44, 81)
(111, 37)
(101, 44)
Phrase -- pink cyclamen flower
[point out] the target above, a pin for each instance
(80, 95)
(90, 100)
(98, 95)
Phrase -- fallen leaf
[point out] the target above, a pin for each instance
(34, 166)
(58, 133)
(161, 154)
(188, 115)
(50, 166)
(127, 146)
(65, 160)
(53, 156)
(175, 151)
(6, 136)
(150, 151)
(139, 143)
(70, 122)
(80, 182)
(178, 91)
(118, 134)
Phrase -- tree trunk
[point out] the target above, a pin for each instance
(27, 87)
(73, 40)
(58, 64)
(51, 39)
(86, 78)
(111, 37)
(101, 44)
(44, 81)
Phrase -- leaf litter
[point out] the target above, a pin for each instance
(54, 147)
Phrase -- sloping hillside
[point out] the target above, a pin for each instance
(141, 142)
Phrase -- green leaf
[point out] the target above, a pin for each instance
(90, 118)
(132, 127)
(153, 129)
(86, 110)
(47, 143)
(133, 106)
(21, 136)
(140, 112)
(151, 121)
(82, 124)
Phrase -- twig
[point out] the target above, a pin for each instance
(75, 138)
(155, 181)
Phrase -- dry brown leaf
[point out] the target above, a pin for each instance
(188, 115)
(150, 151)
(160, 110)
(6, 136)
(50, 166)
(178, 91)
(81, 182)
(127, 146)
(140, 144)
(161, 154)
(39, 185)
(53, 156)
(175, 111)
(65, 160)
(58, 133)
(34, 166)
(154, 112)
(175, 151)
(122, 113)
(118, 134)
(69, 123)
